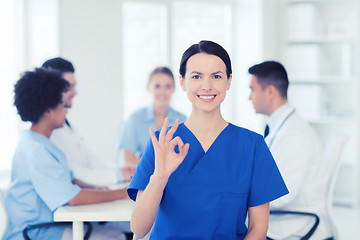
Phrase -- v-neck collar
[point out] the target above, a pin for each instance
(213, 143)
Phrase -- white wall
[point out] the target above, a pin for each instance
(90, 36)
(8, 117)
(38, 37)
(248, 50)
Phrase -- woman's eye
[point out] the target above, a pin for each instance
(168, 86)
(196, 77)
(217, 77)
(157, 86)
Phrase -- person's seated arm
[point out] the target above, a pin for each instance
(85, 185)
(258, 222)
(130, 160)
(93, 195)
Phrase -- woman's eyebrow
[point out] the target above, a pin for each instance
(217, 73)
(195, 72)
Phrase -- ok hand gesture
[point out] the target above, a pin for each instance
(166, 159)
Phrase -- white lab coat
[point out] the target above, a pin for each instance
(299, 156)
(84, 164)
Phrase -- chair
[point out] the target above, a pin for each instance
(332, 153)
(3, 216)
(309, 214)
(54, 224)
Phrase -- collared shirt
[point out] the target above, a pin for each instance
(277, 120)
(135, 133)
(41, 181)
(276, 116)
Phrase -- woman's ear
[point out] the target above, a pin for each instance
(229, 82)
(182, 84)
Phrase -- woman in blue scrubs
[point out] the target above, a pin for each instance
(200, 179)
(41, 180)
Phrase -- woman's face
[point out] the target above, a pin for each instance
(57, 115)
(161, 87)
(205, 81)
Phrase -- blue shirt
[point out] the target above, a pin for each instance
(41, 181)
(135, 133)
(208, 195)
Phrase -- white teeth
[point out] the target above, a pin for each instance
(207, 97)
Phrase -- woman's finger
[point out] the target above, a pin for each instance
(177, 142)
(172, 130)
(183, 151)
(183, 148)
(153, 137)
(164, 129)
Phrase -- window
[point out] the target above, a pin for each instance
(9, 120)
(144, 48)
(168, 29)
(29, 36)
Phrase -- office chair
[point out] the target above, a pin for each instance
(312, 215)
(332, 152)
(54, 224)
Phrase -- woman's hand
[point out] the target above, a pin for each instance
(166, 159)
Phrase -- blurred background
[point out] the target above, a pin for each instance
(114, 44)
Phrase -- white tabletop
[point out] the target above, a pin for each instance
(117, 210)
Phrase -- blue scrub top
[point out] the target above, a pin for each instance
(135, 133)
(208, 195)
(41, 181)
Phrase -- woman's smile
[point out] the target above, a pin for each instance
(207, 97)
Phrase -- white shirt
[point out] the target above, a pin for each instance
(299, 156)
(84, 164)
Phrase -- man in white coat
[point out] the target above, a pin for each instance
(84, 164)
(297, 152)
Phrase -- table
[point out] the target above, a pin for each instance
(113, 211)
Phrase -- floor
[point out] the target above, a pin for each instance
(347, 221)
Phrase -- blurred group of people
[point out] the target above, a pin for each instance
(186, 177)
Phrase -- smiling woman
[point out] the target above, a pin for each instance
(206, 85)
(174, 182)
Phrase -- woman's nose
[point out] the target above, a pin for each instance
(206, 84)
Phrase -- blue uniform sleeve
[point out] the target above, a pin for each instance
(143, 172)
(127, 139)
(266, 181)
(52, 181)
